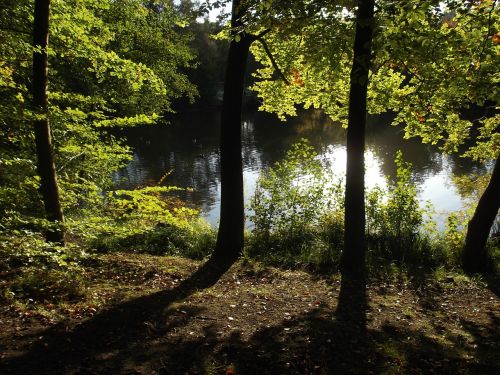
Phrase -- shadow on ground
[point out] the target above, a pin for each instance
(107, 341)
(138, 337)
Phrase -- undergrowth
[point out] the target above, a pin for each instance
(33, 270)
(145, 220)
(301, 224)
(298, 216)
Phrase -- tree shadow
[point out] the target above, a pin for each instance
(351, 321)
(453, 342)
(493, 282)
(319, 342)
(353, 303)
(487, 339)
(108, 339)
(148, 335)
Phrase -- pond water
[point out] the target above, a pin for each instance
(187, 147)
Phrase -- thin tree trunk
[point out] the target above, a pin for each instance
(229, 244)
(43, 142)
(353, 257)
(475, 256)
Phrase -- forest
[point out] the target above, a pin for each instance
(249, 187)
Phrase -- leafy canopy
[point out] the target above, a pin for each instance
(432, 60)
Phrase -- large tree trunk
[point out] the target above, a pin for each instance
(475, 256)
(229, 244)
(43, 142)
(353, 257)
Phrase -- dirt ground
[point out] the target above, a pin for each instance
(150, 315)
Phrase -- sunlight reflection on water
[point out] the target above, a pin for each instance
(189, 147)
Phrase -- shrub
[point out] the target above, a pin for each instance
(394, 218)
(147, 220)
(292, 193)
(195, 240)
(292, 212)
(39, 271)
(299, 219)
(41, 284)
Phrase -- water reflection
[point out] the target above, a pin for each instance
(188, 148)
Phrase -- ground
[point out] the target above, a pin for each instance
(146, 315)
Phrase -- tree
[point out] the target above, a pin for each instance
(475, 257)
(230, 236)
(229, 244)
(353, 256)
(431, 61)
(312, 81)
(46, 168)
(449, 56)
(111, 64)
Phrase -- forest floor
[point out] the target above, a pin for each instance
(141, 315)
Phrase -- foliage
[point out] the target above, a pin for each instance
(148, 220)
(46, 285)
(434, 65)
(35, 270)
(394, 216)
(432, 60)
(454, 235)
(145, 220)
(293, 192)
(299, 214)
(110, 64)
(450, 66)
(118, 64)
(27, 248)
(194, 240)
(290, 206)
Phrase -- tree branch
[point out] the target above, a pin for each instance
(273, 61)
(262, 34)
(15, 30)
(488, 35)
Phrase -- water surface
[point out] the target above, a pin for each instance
(188, 148)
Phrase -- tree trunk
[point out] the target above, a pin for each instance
(229, 244)
(475, 256)
(43, 142)
(353, 256)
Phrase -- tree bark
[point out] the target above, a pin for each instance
(353, 256)
(43, 142)
(229, 245)
(475, 256)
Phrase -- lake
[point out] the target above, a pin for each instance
(187, 147)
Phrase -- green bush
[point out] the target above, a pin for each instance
(292, 193)
(292, 212)
(39, 271)
(395, 219)
(51, 285)
(299, 220)
(195, 239)
(148, 220)
(24, 248)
